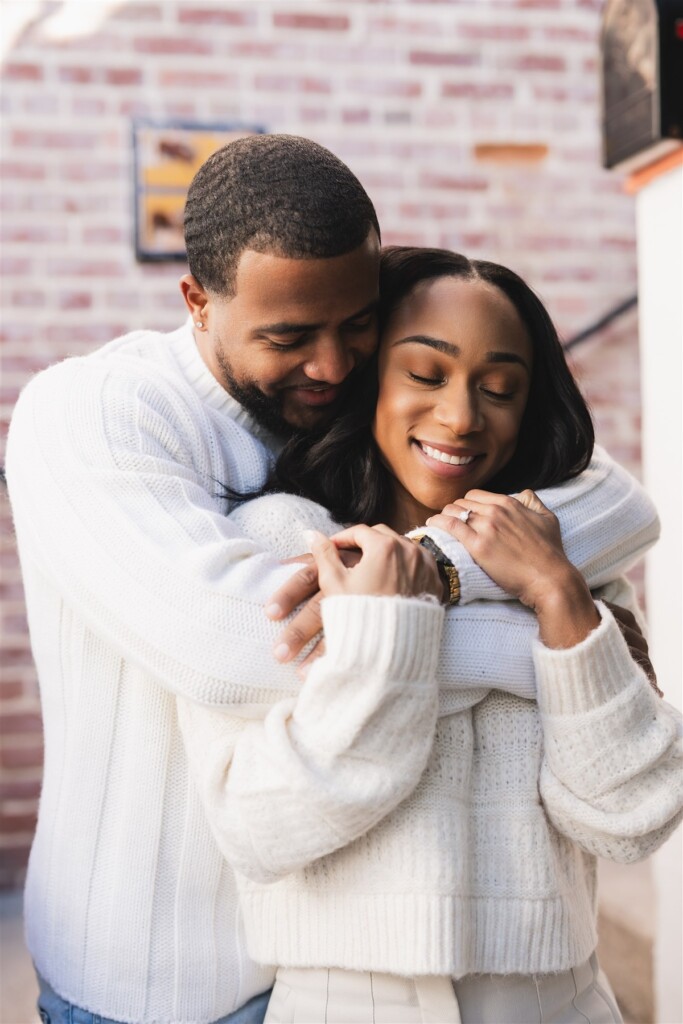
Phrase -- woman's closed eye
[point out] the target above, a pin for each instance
(430, 381)
(501, 396)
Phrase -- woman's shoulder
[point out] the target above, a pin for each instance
(279, 521)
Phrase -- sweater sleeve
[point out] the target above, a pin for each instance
(113, 484)
(318, 770)
(612, 771)
(607, 521)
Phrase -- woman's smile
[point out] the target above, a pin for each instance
(454, 375)
(446, 461)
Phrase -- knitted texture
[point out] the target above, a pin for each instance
(294, 786)
(139, 589)
(471, 873)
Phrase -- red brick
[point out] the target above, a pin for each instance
(356, 116)
(137, 12)
(29, 298)
(571, 34)
(54, 140)
(76, 74)
(13, 724)
(9, 689)
(325, 22)
(260, 48)
(14, 755)
(75, 267)
(13, 856)
(386, 87)
(539, 62)
(105, 235)
(88, 106)
(23, 72)
(378, 27)
(314, 115)
(478, 90)
(463, 184)
(20, 788)
(624, 242)
(173, 45)
(444, 59)
(75, 300)
(192, 79)
(494, 30)
(432, 211)
(123, 76)
(11, 824)
(287, 83)
(15, 624)
(11, 169)
(215, 16)
(33, 234)
(10, 265)
(89, 170)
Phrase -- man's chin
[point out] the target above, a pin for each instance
(308, 417)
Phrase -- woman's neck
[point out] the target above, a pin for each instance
(406, 513)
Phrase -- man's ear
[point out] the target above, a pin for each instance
(196, 299)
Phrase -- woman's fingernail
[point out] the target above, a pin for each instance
(281, 652)
(273, 611)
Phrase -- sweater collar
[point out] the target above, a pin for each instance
(213, 394)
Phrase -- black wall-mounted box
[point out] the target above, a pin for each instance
(642, 80)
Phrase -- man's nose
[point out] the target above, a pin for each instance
(331, 361)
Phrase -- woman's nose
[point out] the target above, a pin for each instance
(459, 412)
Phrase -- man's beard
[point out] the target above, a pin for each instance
(266, 409)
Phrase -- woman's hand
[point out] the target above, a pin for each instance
(389, 565)
(517, 543)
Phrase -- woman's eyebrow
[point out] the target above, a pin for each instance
(449, 349)
(437, 343)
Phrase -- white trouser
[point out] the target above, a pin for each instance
(321, 996)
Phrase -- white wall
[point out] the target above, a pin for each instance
(659, 210)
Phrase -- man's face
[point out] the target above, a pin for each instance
(288, 339)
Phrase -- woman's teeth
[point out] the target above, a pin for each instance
(453, 460)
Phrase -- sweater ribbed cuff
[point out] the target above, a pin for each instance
(397, 635)
(593, 672)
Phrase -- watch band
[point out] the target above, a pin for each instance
(447, 571)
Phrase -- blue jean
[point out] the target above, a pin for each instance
(52, 1009)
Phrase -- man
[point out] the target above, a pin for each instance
(140, 590)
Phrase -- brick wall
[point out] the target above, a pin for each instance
(473, 126)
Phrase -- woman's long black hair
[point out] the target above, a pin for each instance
(341, 467)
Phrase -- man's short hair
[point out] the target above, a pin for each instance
(278, 194)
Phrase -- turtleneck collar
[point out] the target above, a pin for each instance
(213, 394)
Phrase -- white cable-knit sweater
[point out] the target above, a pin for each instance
(489, 865)
(139, 590)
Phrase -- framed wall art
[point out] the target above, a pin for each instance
(167, 156)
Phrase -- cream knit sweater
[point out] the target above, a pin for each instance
(141, 590)
(489, 865)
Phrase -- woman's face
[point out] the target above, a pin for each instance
(454, 375)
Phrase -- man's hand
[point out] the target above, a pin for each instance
(391, 565)
(637, 644)
(302, 589)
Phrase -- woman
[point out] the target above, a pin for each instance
(474, 899)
